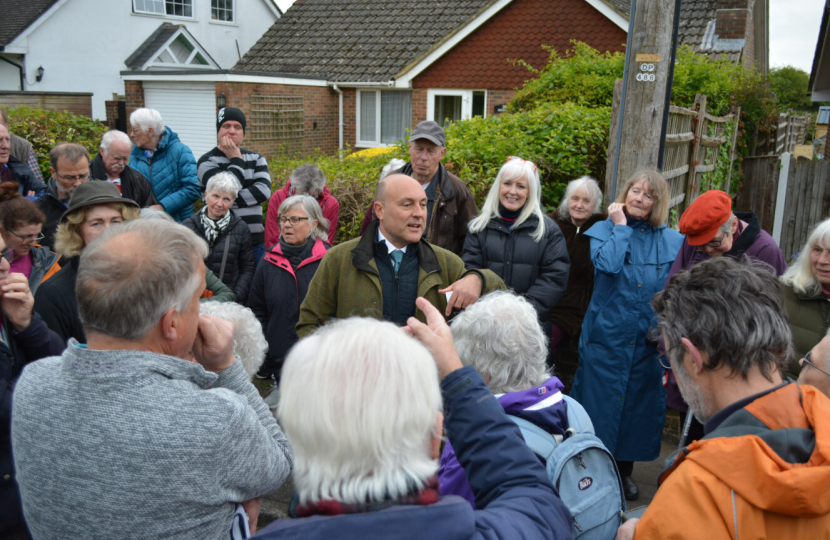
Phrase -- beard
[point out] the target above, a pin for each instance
(693, 395)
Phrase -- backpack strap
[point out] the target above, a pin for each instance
(537, 439)
(578, 419)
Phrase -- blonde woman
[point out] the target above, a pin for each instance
(94, 207)
(619, 379)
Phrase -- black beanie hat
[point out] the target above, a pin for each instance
(229, 113)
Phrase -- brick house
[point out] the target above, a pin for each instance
(337, 73)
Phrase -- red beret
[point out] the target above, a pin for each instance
(700, 222)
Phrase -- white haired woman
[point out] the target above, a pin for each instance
(619, 379)
(231, 255)
(806, 287)
(248, 342)
(281, 281)
(513, 238)
(166, 162)
(500, 337)
(309, 180)
(580, 209)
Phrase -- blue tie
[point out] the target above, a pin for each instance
(397, 255)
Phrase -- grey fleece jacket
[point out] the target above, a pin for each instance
(129, 444)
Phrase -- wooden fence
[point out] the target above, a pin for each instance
(796, 194)
(693, 141)
(791, 130)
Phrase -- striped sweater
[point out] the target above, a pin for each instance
(254, 185)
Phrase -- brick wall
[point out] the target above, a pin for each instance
(134, 95)
(77, 103)
(419, 106)
(732, 18)
(498, 97)
(482, 60)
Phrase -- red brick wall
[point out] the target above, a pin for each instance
(77, 103)
(419, 106)
(482, 60)
(134, 94)
(320, 106)
(732, 18)
(498, 97)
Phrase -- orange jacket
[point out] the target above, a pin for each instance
(763, 474)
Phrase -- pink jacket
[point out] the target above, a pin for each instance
(329, 205)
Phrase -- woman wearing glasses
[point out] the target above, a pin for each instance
(619, 380)
(281, 280)
(231, 255)
(513, 238)
(20, 224)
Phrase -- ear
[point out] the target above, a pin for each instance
(697, 358)
(435, 438)
(443, 151)
(734, 227)
(151, 132)
(169, 326)
(53, 172)
(378, 206)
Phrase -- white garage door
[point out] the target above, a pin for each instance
(188, 108)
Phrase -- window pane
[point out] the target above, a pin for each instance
(368, 115)
(149, 6)
(221, 10)
(395, 115)
(478, 104)
(447, 109)
(179, 8)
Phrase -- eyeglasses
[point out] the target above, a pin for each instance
(665, 363)
(715, 243)
(80, 178)
(512, 158)
(7, 254)
(29, 238)
(295, 220)
(806, 360)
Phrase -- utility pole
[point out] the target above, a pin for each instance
(636, 132)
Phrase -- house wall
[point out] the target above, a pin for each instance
(83, 63)
(10, 75)
(483, 59)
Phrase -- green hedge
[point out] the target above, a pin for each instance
(46, 129)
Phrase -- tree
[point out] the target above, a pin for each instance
(790, 85)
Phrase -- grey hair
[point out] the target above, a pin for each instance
(800, 275)
(393, 165)
(124, 293)
(146, 119)
(734, 311)
(307, 178)
(727, 225)
(591, 189)
(153, 213)
(223, 182)
(312, 211)
(500, 336)
(112, 136)
(249, 343)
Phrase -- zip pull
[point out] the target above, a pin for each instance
(576, 524)
(579, 459)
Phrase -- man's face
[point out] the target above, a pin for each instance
(116, 159)
(232, 130)
(722, 242)
(70, 175)
(403, 211)
(699, 402)
(5, 144)
(425, 157)
(811, 374)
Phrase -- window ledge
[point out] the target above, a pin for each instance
(223, 23)
(170, 17)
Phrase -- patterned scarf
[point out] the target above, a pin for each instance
(214, 229)
(428, 495)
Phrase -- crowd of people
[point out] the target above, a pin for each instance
(134, 326)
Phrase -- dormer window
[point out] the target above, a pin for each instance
(175, 8)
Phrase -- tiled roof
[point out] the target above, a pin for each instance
(151, 45)
(698, 16)
(356, 40)
(17, 15)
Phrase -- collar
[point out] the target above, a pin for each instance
(745, 236)
(364, 252)
(727, 411)
(389, 245)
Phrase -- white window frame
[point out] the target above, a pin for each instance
(233, 14)
(466, 101)
(151, 63)
(136, 11)
(378, 101)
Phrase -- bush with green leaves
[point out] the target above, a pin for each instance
(46, 129)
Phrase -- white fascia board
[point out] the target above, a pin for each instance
(190, 38)
(820, 95)
(404, 79)
(17, 42)
(15, 50)
(609, 12)
(274, 9)
(222, 77)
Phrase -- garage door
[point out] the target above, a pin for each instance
(189, 109)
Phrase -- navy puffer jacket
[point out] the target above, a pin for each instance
(172, 174)
(536, 270)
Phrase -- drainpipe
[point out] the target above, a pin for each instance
(19, 68)
(340, 117)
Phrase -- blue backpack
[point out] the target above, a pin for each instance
(583, 471)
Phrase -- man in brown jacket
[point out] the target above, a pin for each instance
(450, 203)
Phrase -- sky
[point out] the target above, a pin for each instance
(793, 31)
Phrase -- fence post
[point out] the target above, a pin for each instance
(691, 184)
(732, 155)
(781, 198)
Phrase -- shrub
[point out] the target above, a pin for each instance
(47, 129)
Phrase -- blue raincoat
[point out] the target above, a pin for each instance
(619, 379)
(172, 174)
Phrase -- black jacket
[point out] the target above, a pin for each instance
(133, 184)
(52, 206)
(56, 303)
(276, 294)
(536, 270)
(23, 175)
(33, 343)
(239, 268)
